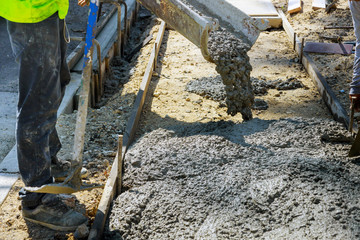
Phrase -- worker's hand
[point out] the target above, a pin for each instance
(83, 2)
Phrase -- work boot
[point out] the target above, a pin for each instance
(54, 214)
(60, 170)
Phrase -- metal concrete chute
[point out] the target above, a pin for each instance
(196, 27)
(184, 20)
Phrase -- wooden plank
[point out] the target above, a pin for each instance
(327, 94)
(110, 186)
(318, 4)
(140, 98)
(335, 48)
(294, 6)
(120, 164)
(274, 21)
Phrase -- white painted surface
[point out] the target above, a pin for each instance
(318, 4)
(294, 6)
(259, 9)
(256, 7)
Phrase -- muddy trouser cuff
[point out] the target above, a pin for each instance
(32, 199)
(40, 49)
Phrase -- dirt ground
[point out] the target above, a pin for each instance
(309, 24)
(170, 104)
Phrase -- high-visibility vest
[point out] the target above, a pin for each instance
(32, 11)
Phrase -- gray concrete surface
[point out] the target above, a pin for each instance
(8, 92)
(261, 179)
(8, 67)
(8, 100)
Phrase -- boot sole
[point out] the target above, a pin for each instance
(52, 226)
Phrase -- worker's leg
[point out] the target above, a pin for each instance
(355, 12)
(37, 49)
(55, 144)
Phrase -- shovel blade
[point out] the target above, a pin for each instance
(59, 188)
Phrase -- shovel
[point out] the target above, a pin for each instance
(73, 182)
(355, 148)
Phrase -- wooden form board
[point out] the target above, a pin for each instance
(294, 6)
(318, 4)
(263, 9)
(111, 184)
(329, 97)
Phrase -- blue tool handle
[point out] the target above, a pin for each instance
(90, 30)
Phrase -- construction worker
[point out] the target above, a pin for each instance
(36, 31)
(355, 84)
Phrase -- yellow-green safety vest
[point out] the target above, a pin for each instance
(32, 11)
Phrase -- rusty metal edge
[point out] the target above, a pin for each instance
(329, 97)
(131, 127)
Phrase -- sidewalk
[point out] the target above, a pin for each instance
(8, 92)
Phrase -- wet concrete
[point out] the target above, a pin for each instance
(261, 86)
(213, 88)
(285, 179)
(210, 87)
(229, 52)
(232, 63)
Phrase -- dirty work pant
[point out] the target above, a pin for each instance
(40, 49)
(355, 12)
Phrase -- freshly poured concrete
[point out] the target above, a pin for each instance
(233, 64)
(279, 179)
